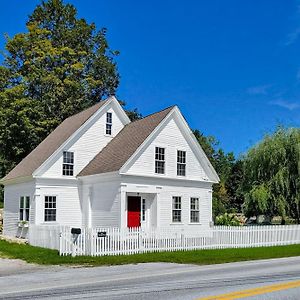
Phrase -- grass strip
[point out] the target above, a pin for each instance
(44, 256)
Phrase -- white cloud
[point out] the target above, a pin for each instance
(286, 104)
(292, 37)
(259, 90)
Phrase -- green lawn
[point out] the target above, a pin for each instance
(201, 257)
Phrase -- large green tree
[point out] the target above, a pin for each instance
(60, 66)
(272, 176)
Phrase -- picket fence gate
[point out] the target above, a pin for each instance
(116, 241)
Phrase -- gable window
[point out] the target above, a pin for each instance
(176, 210)
(159, 160)
(195, 210)
(50, 208)
(181, 163)
(24, 208)
(68, 163)
(108, 123)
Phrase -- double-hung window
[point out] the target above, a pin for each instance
(195, 210)
(50, 208)
(159, 160)
(68, 163)
(24, 208)
(176, 209)
(108, 129)
(181, 163)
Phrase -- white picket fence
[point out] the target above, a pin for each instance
(115, 241)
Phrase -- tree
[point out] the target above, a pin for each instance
(226, 194)
(59, 67)
(272, 176)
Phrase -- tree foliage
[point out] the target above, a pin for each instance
(227, 196)
(272, 175)
(60, 66)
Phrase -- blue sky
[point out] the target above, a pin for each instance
(233, 67)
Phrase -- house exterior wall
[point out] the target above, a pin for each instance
(164, 190)
(88, 145)
(102, 202)
(12, 194)
(68, 202)
(170, 138)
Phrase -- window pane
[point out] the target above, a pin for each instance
(21, 215)
(27, 204)
(27, 214)
(109, 118)
(108, 129)
(21, 202)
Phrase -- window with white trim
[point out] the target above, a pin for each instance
(176, 209)
(195, 210)
(68, 163)
(24, 208)
(143, 209)
(50, 209)
(108, 123)
(159, 160)
(181, 163)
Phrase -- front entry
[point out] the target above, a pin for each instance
(133, 211)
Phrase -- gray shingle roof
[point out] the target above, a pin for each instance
(124, 144)
(51, 143)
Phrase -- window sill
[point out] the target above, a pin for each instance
(176, 223)
(109, 135)
(49, 223)
(194, 223)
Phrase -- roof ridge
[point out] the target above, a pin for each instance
(143, 118)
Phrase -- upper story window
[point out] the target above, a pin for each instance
(24, 208)
(68, 163)
(181, 163)
(50, 209)
(195, 210)
(176, 210)
(159, 160)
(108, 123)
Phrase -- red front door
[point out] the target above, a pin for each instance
(134, 211)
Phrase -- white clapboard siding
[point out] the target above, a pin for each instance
(105, 204)
(12, 194)
(116, 241)
(68, 205)
(88, 145)
(170, 138)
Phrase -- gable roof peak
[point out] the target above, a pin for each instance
(117, 152)
(52, 142)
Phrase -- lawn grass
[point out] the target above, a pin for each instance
(44, 256)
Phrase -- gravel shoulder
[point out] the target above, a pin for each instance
(16, 266)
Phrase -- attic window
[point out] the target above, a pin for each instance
(159, 160)
(108, 123)
(68, 163)
(181, 163)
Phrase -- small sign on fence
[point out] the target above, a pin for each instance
(101, 234)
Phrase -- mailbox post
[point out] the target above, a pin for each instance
(75, 232)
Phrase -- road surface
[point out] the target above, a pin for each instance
(280, 278)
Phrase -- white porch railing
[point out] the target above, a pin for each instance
(115, 241)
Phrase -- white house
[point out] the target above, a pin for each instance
(98, 169)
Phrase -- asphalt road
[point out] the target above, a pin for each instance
(280, 277)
